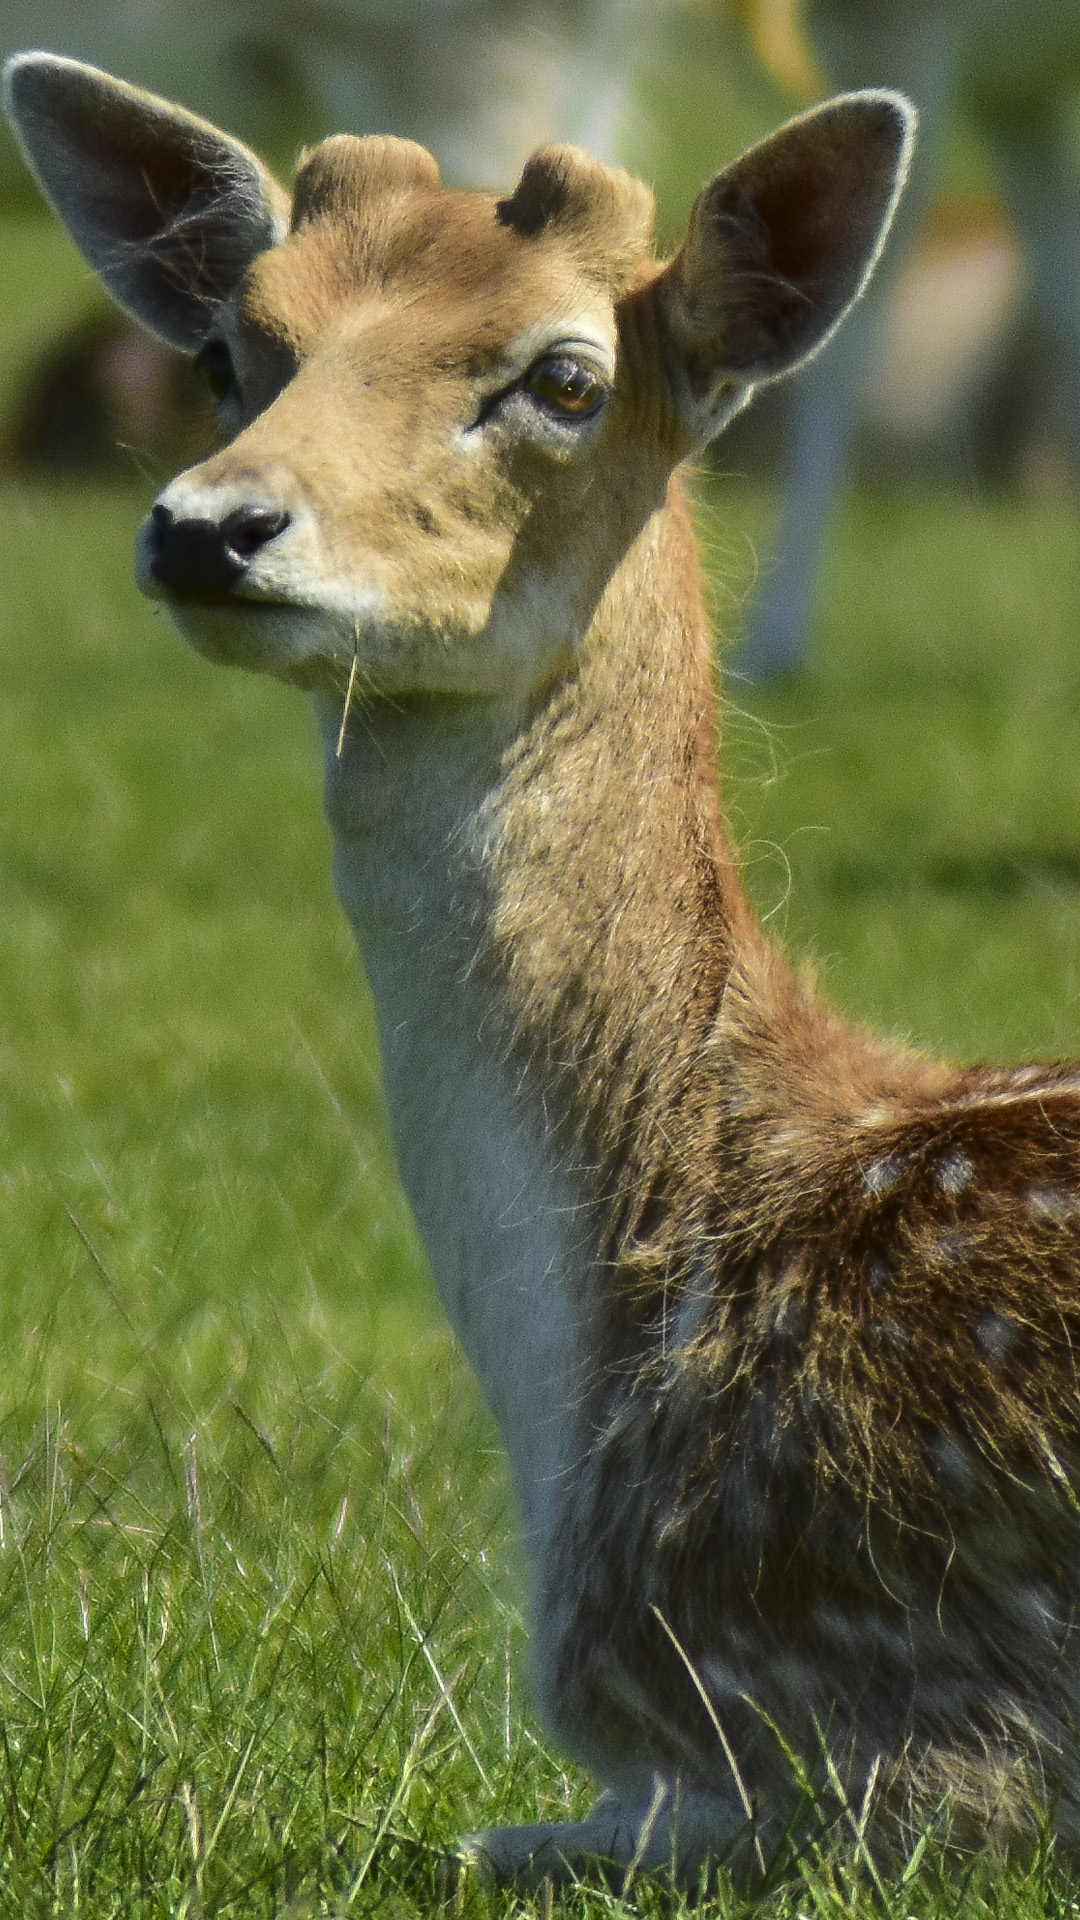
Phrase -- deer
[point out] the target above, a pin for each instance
(779, 1321)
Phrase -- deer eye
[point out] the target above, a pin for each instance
(566, 385)
(216, 362)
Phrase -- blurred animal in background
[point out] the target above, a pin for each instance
(946, 371)
(104, 398)
(481, 81)
(1013, 75)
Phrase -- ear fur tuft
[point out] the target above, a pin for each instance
(563, 187)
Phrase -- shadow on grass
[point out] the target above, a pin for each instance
(991, 873)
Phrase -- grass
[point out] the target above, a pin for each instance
(260, 1642)
(908, 810)
(43, 275)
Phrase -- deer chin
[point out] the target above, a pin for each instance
(301, 645)
(318, 649)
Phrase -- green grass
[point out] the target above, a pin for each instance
(260, 1640)
(45, 283)
(909, 809)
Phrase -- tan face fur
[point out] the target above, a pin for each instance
(449, 521)
(452, 414)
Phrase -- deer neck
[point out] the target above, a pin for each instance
(546, 909)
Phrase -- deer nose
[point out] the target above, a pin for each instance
(198, 558)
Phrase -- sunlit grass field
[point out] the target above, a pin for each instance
(261, 1642)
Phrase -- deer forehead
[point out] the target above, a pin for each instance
(601, 212)
(411, 274)
(310, 296)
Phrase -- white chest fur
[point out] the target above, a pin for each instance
(503, 1226)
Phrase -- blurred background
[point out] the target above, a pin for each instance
(479, 81)
(964, 366)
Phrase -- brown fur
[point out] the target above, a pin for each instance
(849, 1484)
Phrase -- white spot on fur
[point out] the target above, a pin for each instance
(952, 1246)
(692, 1308)
(785, 1137)
(996, 1336)
(1014, 1093)
(891, 1335)
(583, 332)
(953, 1463)
(1052, 1203)
(954, 1172)
(722, 1681)
(880, 1175)
(1040, 1607)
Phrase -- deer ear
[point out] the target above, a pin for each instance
(167, 211)
(781, 244)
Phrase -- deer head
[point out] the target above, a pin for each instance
(447, 414)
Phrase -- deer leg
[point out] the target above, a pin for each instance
(682, 1833)
(1041, 182)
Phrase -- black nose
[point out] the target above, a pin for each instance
(203, 559)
